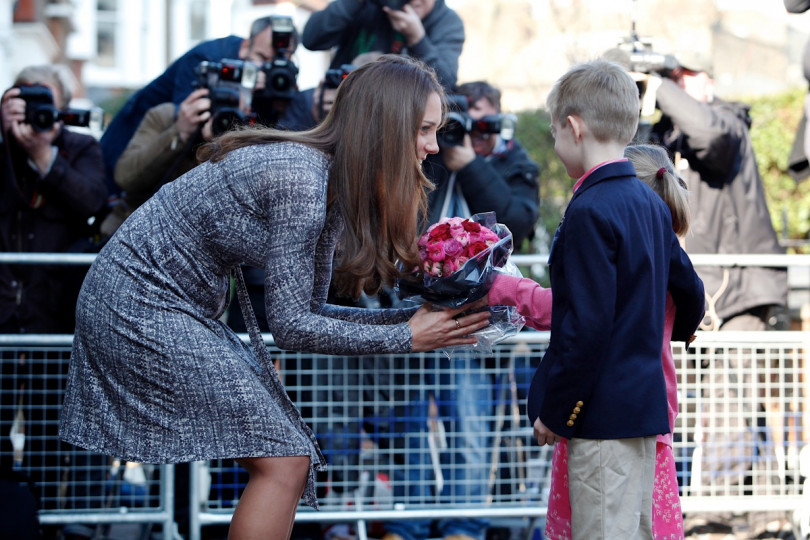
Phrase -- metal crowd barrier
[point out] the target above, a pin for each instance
(740, 437)
(741, 441)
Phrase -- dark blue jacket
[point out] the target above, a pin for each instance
(612, 260)
(173, 85)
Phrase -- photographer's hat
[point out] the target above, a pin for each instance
(695, 60)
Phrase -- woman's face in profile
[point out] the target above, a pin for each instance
(426, 138)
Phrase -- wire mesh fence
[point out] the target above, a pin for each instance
(430, 435)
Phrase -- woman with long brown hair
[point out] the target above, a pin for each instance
(157, 377)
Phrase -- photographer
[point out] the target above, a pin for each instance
(164, 145)
(177, 81)
(485, 171)
(424, 29)
(52, 182)
(711, 145)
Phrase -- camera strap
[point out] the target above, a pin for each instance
(454, 205)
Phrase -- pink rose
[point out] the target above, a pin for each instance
(453, 248)
(435, 251)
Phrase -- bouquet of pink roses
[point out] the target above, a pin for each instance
(459, 260)
(458, 257)
(451, 242)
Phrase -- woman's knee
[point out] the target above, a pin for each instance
(292, 470)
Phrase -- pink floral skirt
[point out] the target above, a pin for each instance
(666, 512)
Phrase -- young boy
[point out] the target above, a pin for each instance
(601, 383)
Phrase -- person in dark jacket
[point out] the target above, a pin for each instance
(52, 182)
(710, 141)
(487, 172)
(424, 29)
(711, 145)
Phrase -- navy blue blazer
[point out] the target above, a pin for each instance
(612, 260)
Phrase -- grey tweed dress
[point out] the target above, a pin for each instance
(154, 375)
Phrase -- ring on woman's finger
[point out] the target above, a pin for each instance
(458, 324)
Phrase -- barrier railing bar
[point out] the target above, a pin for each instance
(698, 259)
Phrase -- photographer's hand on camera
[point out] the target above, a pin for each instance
(194, 112)
(37, 144)
(457, 157)
(407, 22)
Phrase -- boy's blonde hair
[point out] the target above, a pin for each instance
(603, 94)
(654, 168)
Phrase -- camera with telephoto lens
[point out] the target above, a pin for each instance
(335, 76)
(393, 4)
(225, 81)
(459, 123)
(281, 73)
(42, 114)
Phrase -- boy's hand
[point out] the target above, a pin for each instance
(544, 435)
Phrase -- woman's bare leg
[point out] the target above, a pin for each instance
(267, 506)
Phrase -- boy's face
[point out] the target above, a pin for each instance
(566, 147)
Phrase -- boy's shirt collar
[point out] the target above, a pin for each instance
(584, 176)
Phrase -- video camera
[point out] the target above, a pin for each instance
(226, 80)
(637, 56)
(393, 4)
(459, 123)
(42, 114)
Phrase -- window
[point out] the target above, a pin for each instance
(107, 13)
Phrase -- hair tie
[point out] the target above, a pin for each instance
(660, 173)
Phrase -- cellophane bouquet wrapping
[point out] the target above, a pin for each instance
(459, 258)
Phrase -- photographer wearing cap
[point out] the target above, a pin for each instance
(424, 29)
(711, 146)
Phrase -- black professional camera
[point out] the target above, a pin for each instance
(459, 123)
(335, 76)
(42, 114)
(225, 81)
(281, 73)
(393, 4)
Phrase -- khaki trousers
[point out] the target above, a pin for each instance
(610, 486)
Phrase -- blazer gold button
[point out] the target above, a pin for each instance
(573, 417)
(569, 423)
(580, 404)
(577, 410)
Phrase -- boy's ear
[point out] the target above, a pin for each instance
(575, 122)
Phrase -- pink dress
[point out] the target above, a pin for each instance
(534, 303)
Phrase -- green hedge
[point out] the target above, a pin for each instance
(772, 133)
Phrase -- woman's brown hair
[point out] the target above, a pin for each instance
(375, 179)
